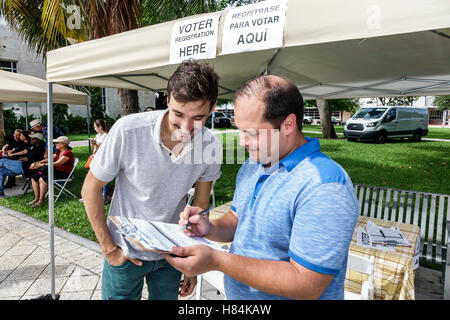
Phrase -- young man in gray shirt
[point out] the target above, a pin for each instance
(156, 157)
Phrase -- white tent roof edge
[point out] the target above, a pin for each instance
(130, 60)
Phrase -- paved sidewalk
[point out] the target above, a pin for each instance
(25, 264)
(25, 269)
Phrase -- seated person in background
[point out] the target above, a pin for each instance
(35, 152)
(38, 127)
(21, 148)
(19, 151)
(13, 144)
(63, 163)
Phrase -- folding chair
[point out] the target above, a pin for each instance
(215, 278)
(27, 184)
(60, 184)
(191, 192)
(362, 265)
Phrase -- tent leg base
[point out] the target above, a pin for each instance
(47, 297)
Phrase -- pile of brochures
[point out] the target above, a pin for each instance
(377, 237)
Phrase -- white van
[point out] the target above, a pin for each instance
(381, 123)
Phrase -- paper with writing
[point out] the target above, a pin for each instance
(156, 236)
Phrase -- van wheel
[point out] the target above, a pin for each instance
(382, 138)
(417, 136)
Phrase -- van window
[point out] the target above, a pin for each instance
(369, 113)
(392, 113)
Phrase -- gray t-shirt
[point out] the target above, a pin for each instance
(151, 184)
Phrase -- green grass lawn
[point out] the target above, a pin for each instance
(433, 132)
(80, 137)
(437, 133)
(422, 166)
(402, 164)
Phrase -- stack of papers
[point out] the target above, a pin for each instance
(156, 236)
(381, 238)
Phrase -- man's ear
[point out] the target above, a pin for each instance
(290, 124)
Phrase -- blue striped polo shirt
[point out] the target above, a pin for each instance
(304, 208)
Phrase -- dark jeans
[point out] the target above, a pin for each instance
(125, 282)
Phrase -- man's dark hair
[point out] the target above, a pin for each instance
(193, 81)
(280, 96)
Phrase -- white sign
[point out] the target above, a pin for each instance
(194, 38)
(254, 27)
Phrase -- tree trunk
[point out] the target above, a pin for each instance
(129, 100)
(325, 119)
(2, 127)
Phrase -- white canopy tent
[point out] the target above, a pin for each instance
(15, 87)
(330, 49)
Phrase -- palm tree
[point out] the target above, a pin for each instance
(41, 24)
(155, 12)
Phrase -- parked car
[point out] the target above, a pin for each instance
(307, 119)
(334, 120)
(381, 123)
(221, 120)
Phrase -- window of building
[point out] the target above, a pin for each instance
(435, 114)
(8, 66)
(314, 113)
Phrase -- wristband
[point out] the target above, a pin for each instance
(109, 251)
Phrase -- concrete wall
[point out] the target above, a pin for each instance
(12, 48)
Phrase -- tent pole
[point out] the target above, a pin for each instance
(26, 115)
(265, 73)
(50, 184)
(88, 123)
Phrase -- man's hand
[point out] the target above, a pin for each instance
(117, 258)
(193, 260)
(200, 225)
(187, 285)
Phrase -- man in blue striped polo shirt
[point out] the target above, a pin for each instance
(294, 209)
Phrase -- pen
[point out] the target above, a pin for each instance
(202, 214)
(382, 233)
